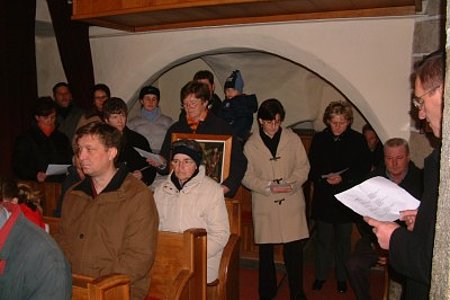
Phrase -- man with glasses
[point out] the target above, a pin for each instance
(411, 249)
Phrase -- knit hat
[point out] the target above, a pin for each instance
(190, 148)
(149, 89)
(235, 81)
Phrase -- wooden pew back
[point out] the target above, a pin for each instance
(110, 287)
(179, 270)
(50, 193)
(226, 287)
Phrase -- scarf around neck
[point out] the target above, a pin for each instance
(150, 115)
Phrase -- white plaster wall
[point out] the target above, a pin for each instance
(368, 60)
(48, 65)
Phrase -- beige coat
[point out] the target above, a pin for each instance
(275, 221)
(199, 204)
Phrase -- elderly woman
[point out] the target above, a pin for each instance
(277, 168)
(190, 199)
(339, 159)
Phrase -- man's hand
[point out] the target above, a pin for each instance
(409, 216)
(335, 179)
(155, 163)
(225, 189)
(383, 231)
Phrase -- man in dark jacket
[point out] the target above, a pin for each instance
(400, 169)
(214, 103)
(67, 112)
(411, 248)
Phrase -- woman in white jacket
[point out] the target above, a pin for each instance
(190, 199)
(277, 168)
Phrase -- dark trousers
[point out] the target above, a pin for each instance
(358, 267)
(293, 260)
(332, 237)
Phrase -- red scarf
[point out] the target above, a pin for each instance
(47, 130)
(193, 124)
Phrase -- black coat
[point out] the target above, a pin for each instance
(134, 161)
(238, 112)
(34, 151)
(212, 125)
(332, 154)
(411, 252)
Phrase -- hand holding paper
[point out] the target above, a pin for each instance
(378, 198)
(334, 173)
(146, 154)
(55, 169)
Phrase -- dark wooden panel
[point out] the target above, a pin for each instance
(143, 15)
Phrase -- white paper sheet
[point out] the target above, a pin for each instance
(378, 198)
(147, 154)
(54, 169)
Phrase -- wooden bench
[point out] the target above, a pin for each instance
(179, 270)
(110, 287)
(53, 224)
(226, 287)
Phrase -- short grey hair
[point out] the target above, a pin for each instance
(397, 142)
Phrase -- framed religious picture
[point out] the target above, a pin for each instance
(216, 152)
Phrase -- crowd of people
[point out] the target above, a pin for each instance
(111, 207)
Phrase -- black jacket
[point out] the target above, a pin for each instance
(134, 161)
(34, 151)
(212, 125)
(330, 154)
(238, 112)
(411, 252)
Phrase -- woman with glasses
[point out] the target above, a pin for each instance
(339, 158)
(100, 93)
(194, 97)
(190, 199)
(277, 168)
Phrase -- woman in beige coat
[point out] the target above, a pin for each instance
(277, 168)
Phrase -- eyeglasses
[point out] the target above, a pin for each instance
(185, 162)
(191, 103)
(338, 123)
(418, 102)
(271, 122)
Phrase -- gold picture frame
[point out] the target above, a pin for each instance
(216, 152)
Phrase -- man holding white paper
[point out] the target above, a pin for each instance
(399, 169)
(411, 251)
